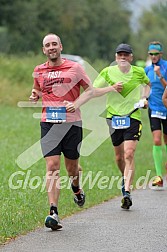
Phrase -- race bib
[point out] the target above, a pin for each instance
(158, 114)
(56, 114)
(120, 122)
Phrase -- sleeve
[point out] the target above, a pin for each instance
(146, 80)
(101, 80)
(83, 78)
(35, 77)
(146, 70)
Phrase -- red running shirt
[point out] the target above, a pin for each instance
(60, 83)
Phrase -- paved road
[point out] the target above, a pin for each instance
(106, 227)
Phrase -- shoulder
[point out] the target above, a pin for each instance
(163, 62)
(106, 70)
(147, 68)
(69, 63)
(139, 70)
(40, 67)
(74, 66)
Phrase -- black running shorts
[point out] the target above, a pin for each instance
(118, 136)
(63, 138)
(157, 123)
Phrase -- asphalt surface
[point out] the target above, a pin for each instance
(106, 227)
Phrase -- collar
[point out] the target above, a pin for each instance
(159, 63)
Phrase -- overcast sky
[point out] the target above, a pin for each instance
(138, 6)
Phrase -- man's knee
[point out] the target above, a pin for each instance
(52, 164)
(129, 153)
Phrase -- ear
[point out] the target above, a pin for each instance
(43, 49)
(61, 47)
(131, 57)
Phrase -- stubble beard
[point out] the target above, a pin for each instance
(54, 56)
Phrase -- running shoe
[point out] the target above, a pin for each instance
(158, 181)
(79, 198)
(126, 201)
(52, 221)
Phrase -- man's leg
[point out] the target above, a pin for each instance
(119, 157)
(53, 190)
(157, 151)
(74, 169)
(157, 157)
(52, 179)
(129, 150)
(156, 126)
(165, 142)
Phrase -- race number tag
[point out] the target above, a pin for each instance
(56, 114)
(158, 114)
(120, 122)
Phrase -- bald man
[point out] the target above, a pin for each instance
(59, 82)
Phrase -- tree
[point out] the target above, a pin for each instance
(152, 27)
(87, 27)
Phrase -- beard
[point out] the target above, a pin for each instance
(53, 56)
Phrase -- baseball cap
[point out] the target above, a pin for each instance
(124, 48)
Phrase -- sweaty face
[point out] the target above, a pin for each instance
(52, 47)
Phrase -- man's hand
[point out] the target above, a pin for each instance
(69, 106)
(34, 95)
(118, 86)
(157, 70)
(145, 104)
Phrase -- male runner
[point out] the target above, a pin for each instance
(125, 131)
(157, 73)
(59, 81)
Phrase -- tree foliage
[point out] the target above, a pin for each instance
(87, 27)
(153, 27)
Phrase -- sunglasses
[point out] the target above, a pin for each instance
(154, 54)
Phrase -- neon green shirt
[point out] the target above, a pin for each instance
(133, 82)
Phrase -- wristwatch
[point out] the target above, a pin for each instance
(160, 77)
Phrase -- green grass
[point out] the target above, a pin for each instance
(24, 209)
(16, 77)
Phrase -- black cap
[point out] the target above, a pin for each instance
(124, 48)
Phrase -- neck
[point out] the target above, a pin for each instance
(125, 69)
(56, 62)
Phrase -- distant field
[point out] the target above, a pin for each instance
(23, 198)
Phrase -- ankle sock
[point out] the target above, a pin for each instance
(53, 208)
(76, 191)
(75, 188)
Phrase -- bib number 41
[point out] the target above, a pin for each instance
(56, 114)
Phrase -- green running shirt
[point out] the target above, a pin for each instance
(133, 83)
